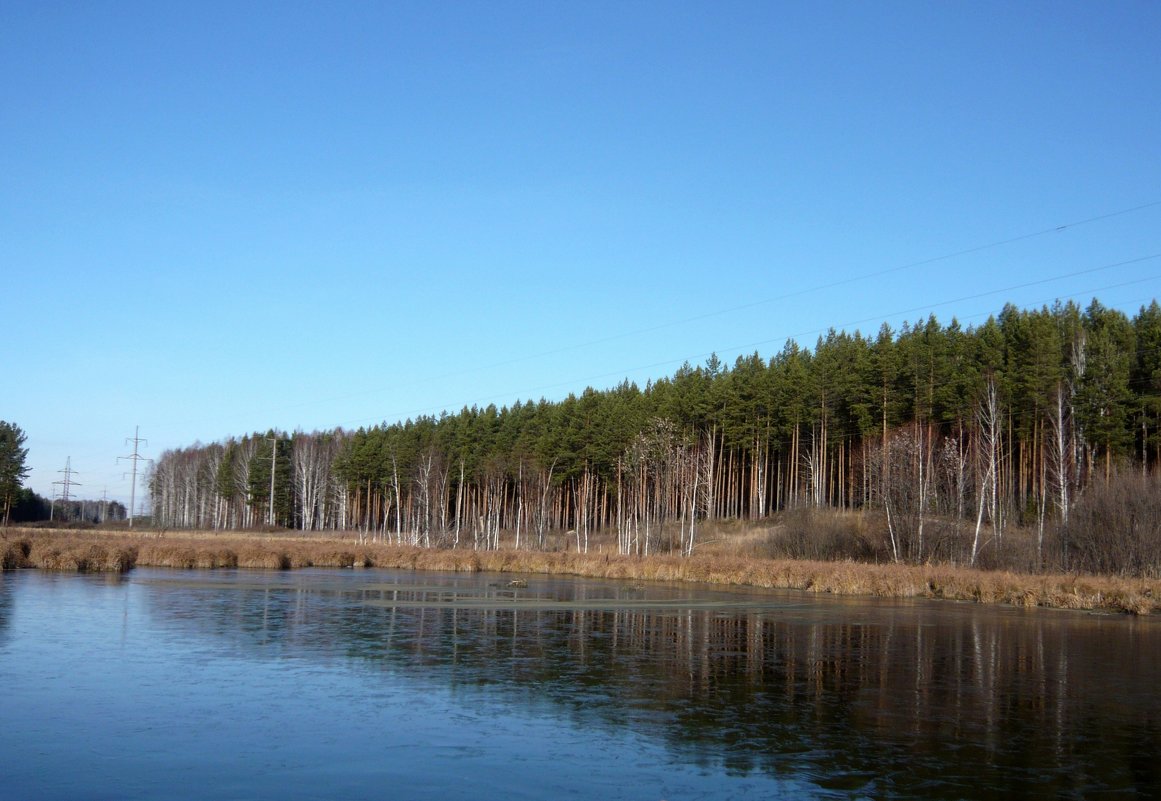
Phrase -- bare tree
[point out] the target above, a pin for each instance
(989, 420)
(313, 457)
(904, 471)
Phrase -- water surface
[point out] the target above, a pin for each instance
(383, 684)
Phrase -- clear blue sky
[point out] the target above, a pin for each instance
(217, 218)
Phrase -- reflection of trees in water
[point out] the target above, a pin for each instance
(930, 702)
(6, 604)
(1034, 705)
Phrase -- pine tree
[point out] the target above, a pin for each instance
(1105, 397)
(13, 469)
(1146, 383)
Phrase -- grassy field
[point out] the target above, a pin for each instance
(96, 550)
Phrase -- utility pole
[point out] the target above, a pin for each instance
(135, 458)
(65, 483)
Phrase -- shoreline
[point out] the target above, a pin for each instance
(117, 551)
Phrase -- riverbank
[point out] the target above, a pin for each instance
(101, 551)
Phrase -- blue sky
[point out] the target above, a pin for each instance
(217, 218)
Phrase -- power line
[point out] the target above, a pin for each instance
(782, 338)
(801, 292)
(998, 243)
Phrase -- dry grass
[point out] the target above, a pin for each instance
(77, 553)
(118, 551)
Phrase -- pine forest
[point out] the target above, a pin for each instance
(943, 440)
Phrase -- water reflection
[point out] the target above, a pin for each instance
(872, 699)
(6, 595)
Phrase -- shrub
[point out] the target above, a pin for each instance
(822, 535)
(14, 554)
(1115, 527)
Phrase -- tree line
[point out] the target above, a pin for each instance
(952, 435)
(31, 507)
(18, 504)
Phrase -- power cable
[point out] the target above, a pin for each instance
(746, 347)
(733, 309)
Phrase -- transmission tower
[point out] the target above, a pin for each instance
(135, 457)
(65, 484)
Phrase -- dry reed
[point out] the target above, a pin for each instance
(100, 551)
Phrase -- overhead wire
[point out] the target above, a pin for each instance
(493, 365)
(820, 287)
(781, 338)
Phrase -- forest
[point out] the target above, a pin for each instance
(31, 507)
(947, 439)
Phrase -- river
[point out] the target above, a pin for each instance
(377, 684)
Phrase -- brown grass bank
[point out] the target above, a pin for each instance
(92, 551)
